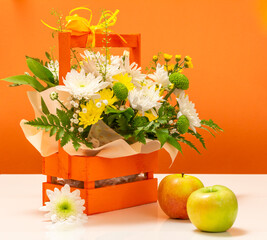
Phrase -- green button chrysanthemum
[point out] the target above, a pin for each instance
(140, 121)
(120, 91)
(182, 124)
(179, 80)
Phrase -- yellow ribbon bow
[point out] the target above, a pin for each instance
(80, 25)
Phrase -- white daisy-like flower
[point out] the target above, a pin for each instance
(145, 99)
(187, 108)
(80, 85)
(133, 70)
(65, 206)
(110, 71)
(53, 66)
(160, 76)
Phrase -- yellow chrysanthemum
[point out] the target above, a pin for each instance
(167, 57)
(107, 97)
(150, 116)
(90, 114)
(125, 79)
(170, 67)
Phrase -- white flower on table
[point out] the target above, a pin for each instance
(81, 85)
(187, 108)
(160, 76)
(65, 207)
(145, 99)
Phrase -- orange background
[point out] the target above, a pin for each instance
(226, 39)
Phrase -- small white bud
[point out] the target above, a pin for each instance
(105, 102)
(84, 110)
(75, 115)
(171, 122)
(98, 104)
(72, 102)
(78, 111)
(126, 53)
(76, 121)
(76, 105)
(80, 129)
(54, 95)
(71, 129)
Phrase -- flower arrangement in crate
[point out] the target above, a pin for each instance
(105, 108)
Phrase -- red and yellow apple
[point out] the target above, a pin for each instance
(212, 209)
(173, 193)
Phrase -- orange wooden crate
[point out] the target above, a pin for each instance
(91, 169)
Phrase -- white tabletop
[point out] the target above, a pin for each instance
(20, 199)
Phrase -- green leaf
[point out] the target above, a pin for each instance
(211, 124)
(65, 139)
(56, 120)
(26, 80)
(48, 56)
(44, 107)
(76, 145)
(44, 120)
(198, 136)
(208, 131)
(40, 71)
(174, 143)
(162, 135)
(53, 131)
(190, 144)
(63, 117)
(123, 123)
(60, 133)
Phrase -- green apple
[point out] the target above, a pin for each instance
(212, 209)
(173, 193)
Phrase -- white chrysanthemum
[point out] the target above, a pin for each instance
(132, 69)
(53, 66)
(96, 57)
(145, 99)
(187, 108)
(160, 76)
(65, 206)
(111, 71)
(80, 85)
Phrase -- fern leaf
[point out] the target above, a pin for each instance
(211, 124)
(60, 133)
(198, 136)
(65, 139)
(63, 117)
(190, 144)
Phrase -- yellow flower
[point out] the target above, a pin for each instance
(150, 116)
(125, 79)
(178, 58)
(155, 58)
(170, 67)
(107, 97)
(187, 58)
(90, 114)
(188, 64)
(167, 57)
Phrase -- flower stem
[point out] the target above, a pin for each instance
(62, 105)
(169, 93)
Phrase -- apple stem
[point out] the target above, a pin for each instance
(182, 174)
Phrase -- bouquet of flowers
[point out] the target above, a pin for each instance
(106, 97)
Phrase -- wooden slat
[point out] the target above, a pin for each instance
(105, 168)
(132, 40)
(121, 196)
